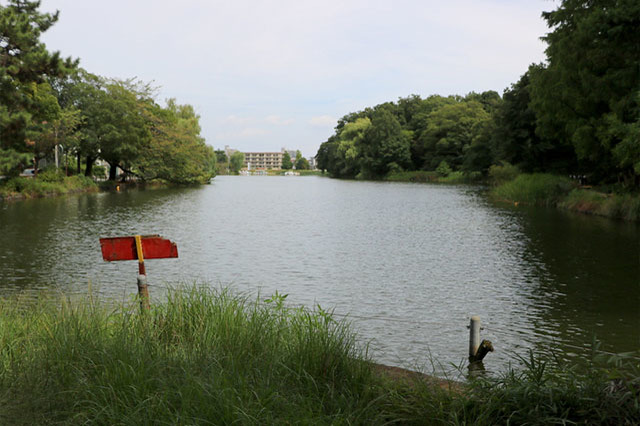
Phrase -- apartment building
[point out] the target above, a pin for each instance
(263, 160)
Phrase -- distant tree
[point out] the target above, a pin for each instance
(286, 161)
(236, 162)
(450, 131)
(385, 146)
(347, 158)
(176, 152)
(221, 156)
(302, 164)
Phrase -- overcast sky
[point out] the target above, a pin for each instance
(270, 74)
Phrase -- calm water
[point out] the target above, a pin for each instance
(408, 263)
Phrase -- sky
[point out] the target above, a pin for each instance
(264, 75)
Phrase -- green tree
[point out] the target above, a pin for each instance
(450, 131)
(236, 162)
(286, 161)
(385, 146)
(176, 152)
(125, 129)
(25, 63)
(302, 164)
(347, 159)
(588, 92)
(221, 156)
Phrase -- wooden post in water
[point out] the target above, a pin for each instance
(474, 335)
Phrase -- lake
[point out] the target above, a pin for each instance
(408, 264)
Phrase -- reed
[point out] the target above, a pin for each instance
(534, 189)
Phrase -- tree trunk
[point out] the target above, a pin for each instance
(78, 168)
(112, 171)
(88, 169)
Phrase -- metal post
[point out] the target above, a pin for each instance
(474, 335)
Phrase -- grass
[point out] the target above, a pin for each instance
(212, 357)
(422, 176)
(45, 184)
(619, 206)
(552, 190)
(534, 189)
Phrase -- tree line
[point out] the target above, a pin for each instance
(577, 114)
(47, 102)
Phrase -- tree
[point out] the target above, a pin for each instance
(286, 161)
(347, 159)
(516, 141)
(176, 152)
(221, 156)
(385, 146)
(236, 162)
(450, 131)
(125, 129)
(25, 63)
(302, 164)
(588, 92)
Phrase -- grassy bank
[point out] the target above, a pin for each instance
(422, 176)
(561, 192)
(45, 184)
(212, 357)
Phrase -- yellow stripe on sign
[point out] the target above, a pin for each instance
(139, 248)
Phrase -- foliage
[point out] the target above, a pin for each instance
(587, 95)
(535, 189)
(236, 162)
(625, 206)
(384, 146)
(286, 161)
(50, 182)
(443, 169)
(175, 151)
(302, 164)
(25, 66)
(221, 156)
(503, 173)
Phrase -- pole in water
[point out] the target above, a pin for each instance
(474, 335)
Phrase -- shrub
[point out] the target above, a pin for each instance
(443, 169)
(503, 173)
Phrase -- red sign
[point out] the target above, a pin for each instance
(124, 248)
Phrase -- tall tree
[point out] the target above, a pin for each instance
(175, 152)
(450, 131)
(286, 161)
(236, 162)
(385, 146)
(25, 63)
(588, 92)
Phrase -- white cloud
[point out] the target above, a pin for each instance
(323, 121)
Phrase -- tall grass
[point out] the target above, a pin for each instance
(212, 357)
(534, 189)
(620, 206)
(202, 357)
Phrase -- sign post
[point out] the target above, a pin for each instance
(138, 247)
